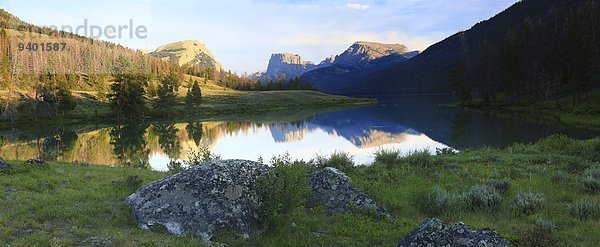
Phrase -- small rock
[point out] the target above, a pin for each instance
(36, 162)
(4, 166)
(97, 241)
(293, 225)
(334, 192)
(434, 232)
(12, 190)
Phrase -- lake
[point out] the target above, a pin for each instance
(407, 124)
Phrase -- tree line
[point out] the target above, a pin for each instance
(541, 59)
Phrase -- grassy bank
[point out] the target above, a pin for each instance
(217, 103)
(586, 113)
(555, 183)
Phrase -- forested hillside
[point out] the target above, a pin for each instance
(533, 51)
(38, 77)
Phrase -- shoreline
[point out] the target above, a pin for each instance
(215, 107)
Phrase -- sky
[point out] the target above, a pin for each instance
(242, 34)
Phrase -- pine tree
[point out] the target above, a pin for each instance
(127, 96)
(66, 101)
(167, 94)
(194, 96)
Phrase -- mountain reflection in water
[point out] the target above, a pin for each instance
(405, 124)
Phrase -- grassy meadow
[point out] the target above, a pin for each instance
(545, 193)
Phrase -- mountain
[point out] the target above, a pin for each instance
(532, 51)
(361, 54)
(358, 61)
(189, 53)
(286, 65)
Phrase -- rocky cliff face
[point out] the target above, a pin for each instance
(188, 53)
(288, 66)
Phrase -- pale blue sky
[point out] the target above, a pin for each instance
(243, 33)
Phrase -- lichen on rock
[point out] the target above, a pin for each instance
(213, 196)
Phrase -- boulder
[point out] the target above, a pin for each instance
(216, 195)
(334, 192)
(434, 232)
(4, 166)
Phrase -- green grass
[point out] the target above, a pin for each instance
(79, 203)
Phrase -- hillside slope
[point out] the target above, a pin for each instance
(482, 45)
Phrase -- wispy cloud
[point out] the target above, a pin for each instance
(358, 6)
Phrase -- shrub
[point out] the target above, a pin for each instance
(501, 185)
(559, 177)
(591, 180)
(528, 203)
(341, 161)
(419, 158)
(203, 154)
(585, 209)
(482, 197)
(558, 142)
(386, 157)
(543, 233)
(590, 184)
(433, 204)
(284, 188)
(175, 167)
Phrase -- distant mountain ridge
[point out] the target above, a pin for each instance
(361, 55)
(358, 61)
(188, 53)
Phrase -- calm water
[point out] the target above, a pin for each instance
(406, 124)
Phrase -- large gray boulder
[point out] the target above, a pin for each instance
(216, 195)
(434, 232)
(334, 192)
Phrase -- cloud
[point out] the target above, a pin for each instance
(358, 6)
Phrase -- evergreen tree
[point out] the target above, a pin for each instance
(66, 101)
(127, 96)
(194, 96)
(167, 94)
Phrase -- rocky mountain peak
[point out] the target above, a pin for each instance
(189, 53)
(287, 58)
(288, 64)
(362, 52)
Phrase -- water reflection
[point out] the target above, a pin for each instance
(405, 124)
